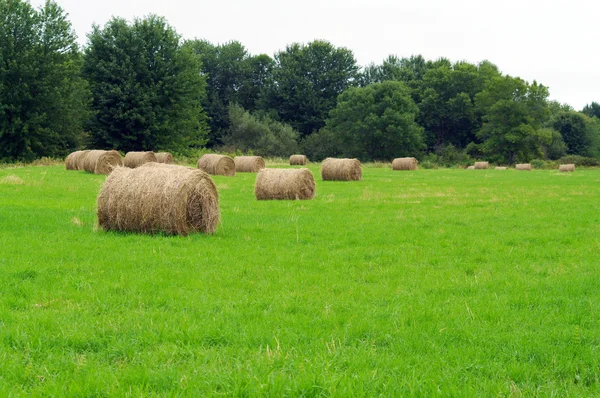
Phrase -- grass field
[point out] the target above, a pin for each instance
(436, 282)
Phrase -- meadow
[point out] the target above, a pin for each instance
(437, 282)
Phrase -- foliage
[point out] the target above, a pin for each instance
(592, 110)
(43, 99)
(579, 161)
(147, 89)
(577, 131)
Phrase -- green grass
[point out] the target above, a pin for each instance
(436, 282)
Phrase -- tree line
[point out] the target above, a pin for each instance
(140, 86)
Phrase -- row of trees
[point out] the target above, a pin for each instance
(139, 86)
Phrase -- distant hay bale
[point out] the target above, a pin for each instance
(164, 157)
(159, 197)
(285, 184)
(75, 160)
(102, 162)
(566, 167)
(471, 168)
(481, 165)
(219, 165)
(248, 164)
(501, 168)
(136, 159)
(298, 160)
(523, 166)
(341, 170)
(404, 164)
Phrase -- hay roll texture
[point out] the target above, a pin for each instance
(471, 168)
(102, 162)
(136, 159)
(158, 197)
(566, 168)
(298, 160)
(523, 166)
(501, 168)
(164, 157)
(481, 165)
(219, 165)
(248, 164)
(405, 164)
(75, 160)
(285, 184)
(341, 170)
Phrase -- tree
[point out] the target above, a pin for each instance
(376, 122)
(147, 88)
(306, 82)
(592, 110)
(577, 132)
(43, 97)
(514, 112)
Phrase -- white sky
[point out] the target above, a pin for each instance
(552, 41)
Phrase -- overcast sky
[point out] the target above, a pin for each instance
(552, 41)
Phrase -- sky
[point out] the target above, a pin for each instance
(551, 41)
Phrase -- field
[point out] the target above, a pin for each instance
(435, 282)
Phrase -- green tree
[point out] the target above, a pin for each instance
(514, 113)
(43, 97)
(147, 88)
(577, 131)
(592, 110)
(376, 122)
(306, 82)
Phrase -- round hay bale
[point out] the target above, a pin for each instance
(523, 166)
(341, 170)
(158, 197)
(285, 184)
(501, 168)
(164, 157)
(471, 168)
(298, 160)
(405, 164)
(75, 160)
(136, 159)
(481, 165)
(219, 165)
(102, 162)
(566, 168)
(248, 164)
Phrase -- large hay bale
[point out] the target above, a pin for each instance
(566, 167)
(471, 168)
(164, 157)
(282, 184)
(523, 166)
(219, 165)
(404, 164)
(298, 160)
(102, 162)
(75, 160)
(501, 168)
(159, 197)
(481, 165)
(136, 159)
(341, 170)
(248, 164)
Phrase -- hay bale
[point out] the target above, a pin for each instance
(248, 164)
(298, 160)
(481, 165)
(75, 160)
(219, 165)
(566, 168)
(523, 166)
(282, 184)
(102, 162)
(136, 159)
(164, 157)
(404, 164)
(471, 168)
(159, 197)
(501, 168)
(341, 170)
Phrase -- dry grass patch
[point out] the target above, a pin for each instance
(12, 180)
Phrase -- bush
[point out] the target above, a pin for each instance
(579, 160)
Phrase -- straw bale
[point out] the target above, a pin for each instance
(75, 160)
(404, 164)
(341, 169)
(282, 184)
(159, 197)
(298, 160)
(101, 162)
(481, 165)
(220, 165)
(523, 166)
(566, 167)
(136, 159)
(164, 157)
(471, 168)
(501, 168)
(248, 164)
